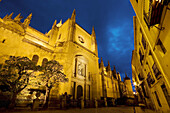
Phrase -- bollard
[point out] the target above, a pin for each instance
(63, 103)
(105, 102)
(113, 102)
(82, 103)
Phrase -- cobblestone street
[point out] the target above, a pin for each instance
(121, 109)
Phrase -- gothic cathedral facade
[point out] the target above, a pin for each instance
(71, 46)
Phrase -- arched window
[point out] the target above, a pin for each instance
(45, 60)
(35, 59)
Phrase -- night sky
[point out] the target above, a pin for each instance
(112, 19)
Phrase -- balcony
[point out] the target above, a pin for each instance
(153, 15)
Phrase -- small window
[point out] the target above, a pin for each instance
(165, 91)
(59, 36)
(150, 79)
(159, 103)
(144, 90)
(140, 77)
(3, 41)
(141, 56)
(143, 42)
(35, 59)
(156, 70)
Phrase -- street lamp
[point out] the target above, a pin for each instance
(134, 83)
(134, 93)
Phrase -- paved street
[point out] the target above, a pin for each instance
(122, 109)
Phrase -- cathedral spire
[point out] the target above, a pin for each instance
(73, 17)
(60, 23)
(126, 77)
(125, 74)
(28, 20)
(18, 17)
(114, 71)
(5, 17)
(114, 68)
(108, 67)
(93, 34)
(101, 63)
(54, 24)
(10, 16)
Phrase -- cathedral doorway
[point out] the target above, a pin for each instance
(79, 91)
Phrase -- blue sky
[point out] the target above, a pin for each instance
(112, 19)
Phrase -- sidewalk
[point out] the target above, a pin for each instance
(85, 110)
(120, 109)
(139, 110)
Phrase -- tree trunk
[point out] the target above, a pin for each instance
(12, 102)
(46, 98)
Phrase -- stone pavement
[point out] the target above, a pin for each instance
(120, 109)
(139, 110)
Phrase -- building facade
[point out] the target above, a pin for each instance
(111, 86)
(150, 57)
(108, 82)
(67, 43)
(128, 87)
(72, 47)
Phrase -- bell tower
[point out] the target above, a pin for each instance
(94, 41)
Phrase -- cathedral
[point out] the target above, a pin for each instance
(70, 45)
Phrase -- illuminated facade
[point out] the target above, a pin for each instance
(72, 47)
(67, 43)
(150, 57)
(128, 87)
(111, 86)
(108, 82)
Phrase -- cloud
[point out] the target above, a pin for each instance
(118, 47)
(118, 39)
